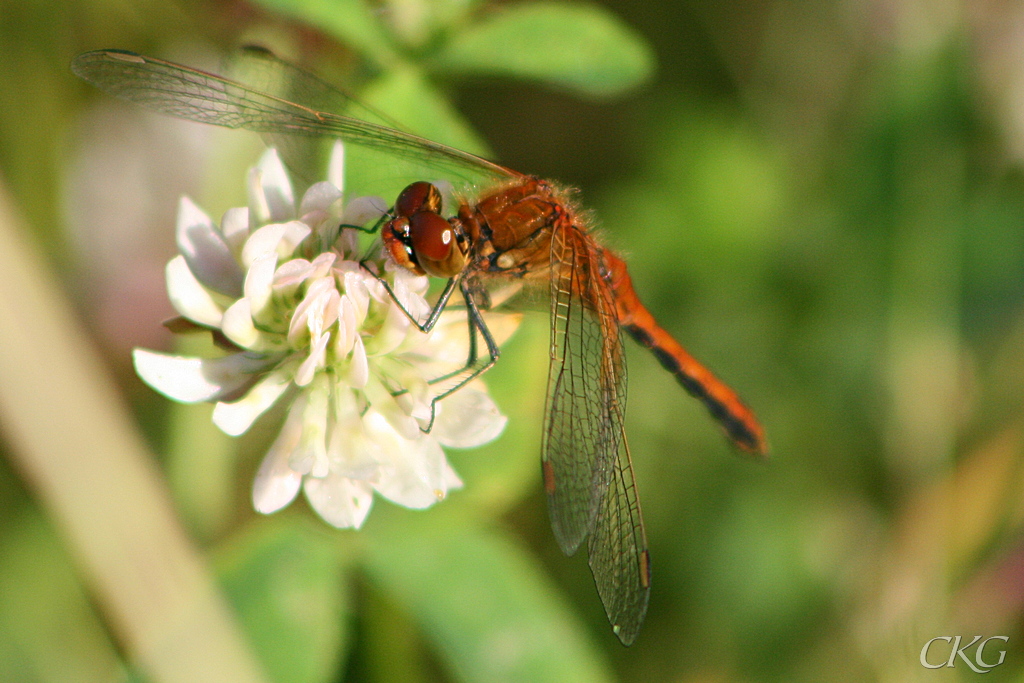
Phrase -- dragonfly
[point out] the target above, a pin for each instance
(517, 229)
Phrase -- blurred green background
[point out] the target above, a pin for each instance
(823, 201)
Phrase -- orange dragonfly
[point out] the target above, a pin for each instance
(519, 228)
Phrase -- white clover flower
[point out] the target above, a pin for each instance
(306, 322)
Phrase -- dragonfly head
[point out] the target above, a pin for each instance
(419, 239)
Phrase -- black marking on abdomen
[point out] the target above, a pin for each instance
(735, 428)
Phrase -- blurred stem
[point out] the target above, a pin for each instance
(75, 445)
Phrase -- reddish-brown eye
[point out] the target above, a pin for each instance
(396, 237)
(432, 237)
(421, 196)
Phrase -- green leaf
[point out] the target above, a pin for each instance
(579, 47)
(417, 22)
(480, 597)
(285, 576)
(350, 21)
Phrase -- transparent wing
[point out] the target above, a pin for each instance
(264, 72)
(618, 552)
(586, 389)
(588, 474)
(261, 70)
(200, 96)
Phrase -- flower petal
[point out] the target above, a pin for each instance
(317, 311)
(467, 418)
(188, 296)
(336, 165)
(341, 502)
(270, 190)
(208, 255)
(354, 284)
(237, 325)
(420, 459)
(352, 454)
(235, 418)
(276, 483)
(391, 334)
(347, 331)
(321, 265)
(319, 197)
(262, 241)
(411, 285)
(417, 398)
(347, 244)
(290, 275)
(314, 361)
(415, 475)
(259, 284)
(310, 455)
(363, 210)
(234, 226)
(190, 380)
(294, 233)
(385, 405)
(277, 238)
(359, 367)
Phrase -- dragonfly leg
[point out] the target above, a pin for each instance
(475, 322)
(435, 312)
(389, 215)
(473, 364)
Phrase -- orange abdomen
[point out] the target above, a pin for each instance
(725, 406)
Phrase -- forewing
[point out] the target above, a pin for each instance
(618, 552)
(207, 98)
(261, 70)
(583, 423)
(306, 156)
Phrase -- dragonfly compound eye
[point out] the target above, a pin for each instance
(397, 242)
(436, 245)
(421, 196)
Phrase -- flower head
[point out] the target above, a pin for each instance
(306, 322)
